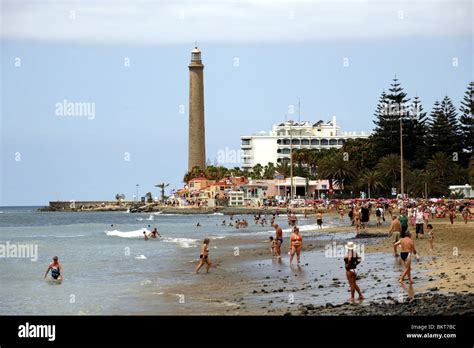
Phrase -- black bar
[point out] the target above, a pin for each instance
(139, 330)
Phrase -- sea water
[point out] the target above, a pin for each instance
(107, 265)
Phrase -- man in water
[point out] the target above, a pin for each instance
(145, 236)
(279, 240)
(154, 233)
(56, 269)
(408, 248)
(395, 230)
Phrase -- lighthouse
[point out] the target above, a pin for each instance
(197, 136)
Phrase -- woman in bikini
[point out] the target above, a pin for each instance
(204, 257)
(296, 245)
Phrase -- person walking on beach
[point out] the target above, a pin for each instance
(357, 217)
(407, 250)
(351, 260)
(56, 270)
(379, 214)
(296, 245)
(466, 212)
(319, 219)
(452, 215)
(419, 222)
(279, 240)
(429, 227)
(204, 257)
(433, 211)
(364, 216)
(351, 215)
(403, 222)
(395, 231)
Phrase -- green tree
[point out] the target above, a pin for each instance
(391, 107)
(283, 168)
(370, 179)
(467, 124)
(257, 171)
(269, 171)
(337, 170)
(443, 132)
(389, 167)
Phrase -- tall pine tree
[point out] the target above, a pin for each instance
(443, 131)
(391, 107)
(466, 123)
(416, 131)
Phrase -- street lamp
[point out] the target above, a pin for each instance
(137, 191)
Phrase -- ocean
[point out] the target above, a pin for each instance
(108, 267)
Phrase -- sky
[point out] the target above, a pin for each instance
(127, 62)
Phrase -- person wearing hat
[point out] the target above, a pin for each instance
(351, 260)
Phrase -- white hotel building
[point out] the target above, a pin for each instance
(275, 146)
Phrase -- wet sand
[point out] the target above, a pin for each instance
(252, 282)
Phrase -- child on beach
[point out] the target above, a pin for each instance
(204, 257)
(429, 227)
(272, 242)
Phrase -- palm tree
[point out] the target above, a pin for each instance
(283, 168)
(439, 164)
(458, 175)
(337, 170)
(257, 171)
(269, 171)
(371, 179)
(162, 186)
(389, 167)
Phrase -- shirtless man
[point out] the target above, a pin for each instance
(395, 231)
(154, 233)
(279, 240)
(408, 248)
(56, 269)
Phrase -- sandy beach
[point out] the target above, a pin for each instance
(248, 281)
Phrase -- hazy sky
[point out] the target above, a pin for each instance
(127, 60)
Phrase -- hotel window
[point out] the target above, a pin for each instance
(245, 142)
(324, 187)
(333, 142)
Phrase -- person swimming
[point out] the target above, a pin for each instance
(56, 269)
(154, 233)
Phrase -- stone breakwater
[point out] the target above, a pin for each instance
(420, 305)
(133, 207)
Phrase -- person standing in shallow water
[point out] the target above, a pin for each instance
(408, 249)
(204, 256)
(56, 269)
(296, 245)
(351, 260)
(278, 239)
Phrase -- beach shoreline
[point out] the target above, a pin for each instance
(254, 283)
